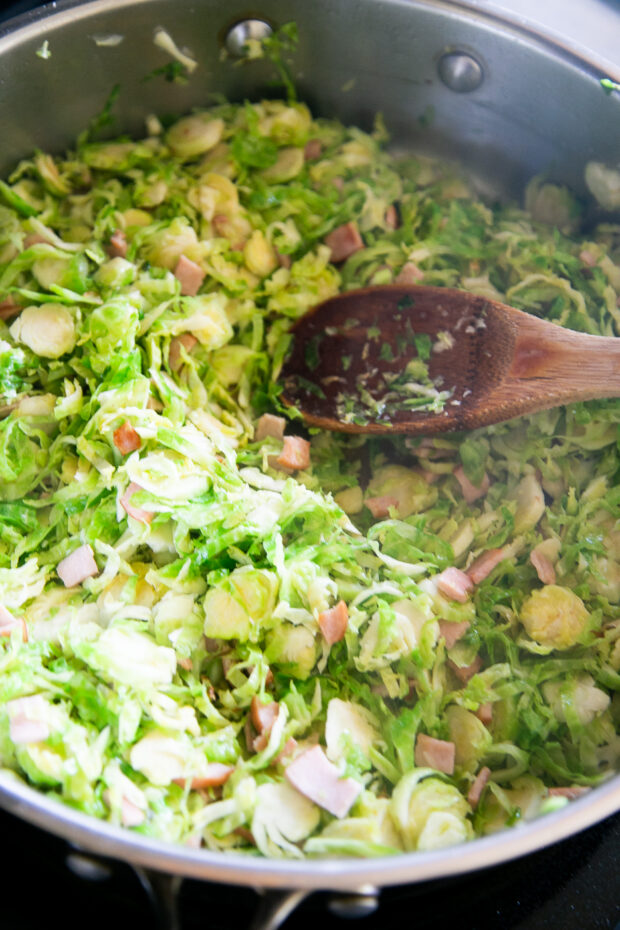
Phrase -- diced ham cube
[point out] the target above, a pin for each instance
(485, 713)
(454, 583)
(484, 564)
(177, 343)
(26, 723)
(284, 261)
(269, 425)
(138, 513)
(380, 506)
(190, 275)
(295, 453)
(318, 779)
(344, 241)
(214, 774)
(333, 623)
(391, 217)
(8, 308)
(77, 567)
(34, 239)
(437, 754)
(475, 792)
(287, 750)
(263, 715)
(409, 274)
(126, 439)
(8, 623)
(226, 227)
(545, 568)
(260, 742)
(588, 258)
(570, 791)
(471, 492)
(117, 247)
(452, 632)
(313, 149)
(184, 341)
(131, 814)
(465, 672)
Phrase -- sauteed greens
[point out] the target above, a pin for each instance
(220, 630)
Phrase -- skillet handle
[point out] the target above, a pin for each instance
(275, 907)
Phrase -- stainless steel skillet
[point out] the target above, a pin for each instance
(508, 101)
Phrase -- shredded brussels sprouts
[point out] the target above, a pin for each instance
(220, 629)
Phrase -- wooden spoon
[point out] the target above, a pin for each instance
(496, 362)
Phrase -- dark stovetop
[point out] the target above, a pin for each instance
(573, 885)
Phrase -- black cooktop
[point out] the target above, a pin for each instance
(573, 885)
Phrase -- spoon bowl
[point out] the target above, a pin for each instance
(486, 362)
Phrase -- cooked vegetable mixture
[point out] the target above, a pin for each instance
(219, 629)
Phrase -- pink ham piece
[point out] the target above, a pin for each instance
(263, 715)
(544, 567)
(471, 492)
(131, 814)
(224, 226)
(313, 149)
(485, 714)
(214, 774)
(8, 623)
(8, 309)
(465, 672)
(295, 453)
(484, 564)
(177, 343)
(409, 274)
(391, 217)
(138, 513)
(452, 632)
(570, 791)
(314, 776)
(190, 276)
(475, 792)
(437, 754)
(117, 247)
(35, 239)
(126, 439)
(344, 241)
(380, 506)
(454, 583)
(333, 623)
(588, 258)
(269, 426)
(77, 567)
(25, 719)
(287, 750)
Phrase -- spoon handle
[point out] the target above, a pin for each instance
(551, 366)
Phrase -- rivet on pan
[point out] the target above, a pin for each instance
(356, 904)
(460, 72)
(88, 867)
(246, 29)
